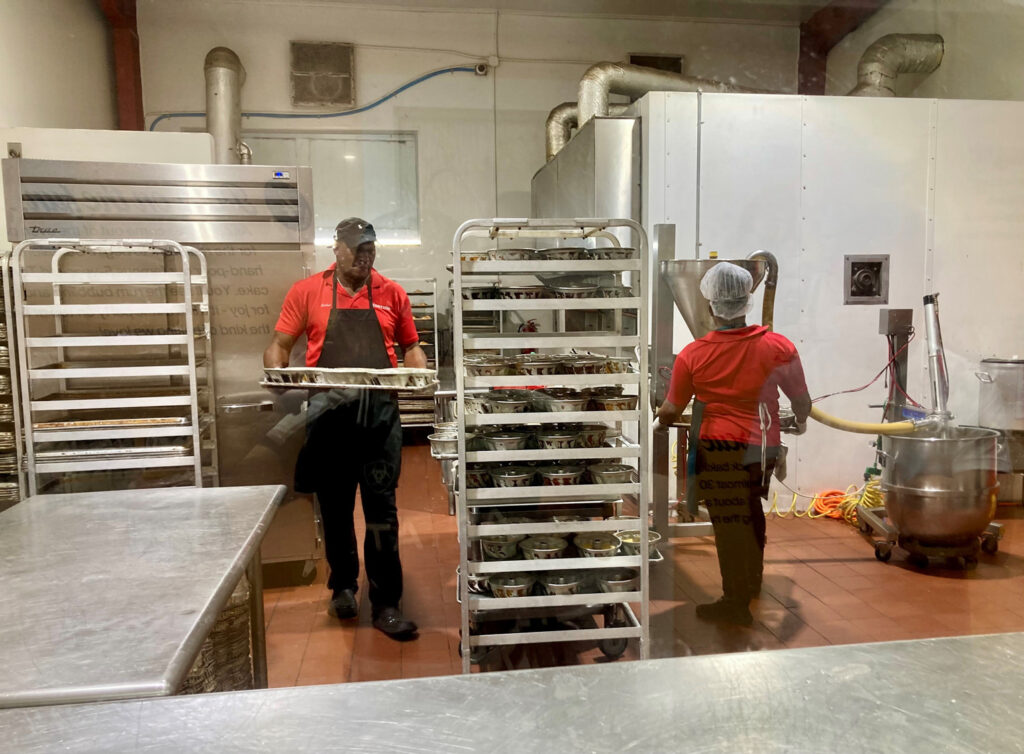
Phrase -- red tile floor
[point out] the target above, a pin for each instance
(822, 586)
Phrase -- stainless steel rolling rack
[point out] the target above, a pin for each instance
(621, 622)
(418, 410)
(89, 401)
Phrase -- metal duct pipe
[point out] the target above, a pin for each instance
(603, 79)
(771, 282)
(891, 55)
(224, 79)
(562, 120)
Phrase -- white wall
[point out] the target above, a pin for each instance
(983, 56)
(55, 68)
(935, 184)
(480, 138)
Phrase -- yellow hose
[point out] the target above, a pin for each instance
(834, 503)
(890, 428)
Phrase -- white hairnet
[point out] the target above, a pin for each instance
(727, 286)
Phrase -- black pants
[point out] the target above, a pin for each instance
(360, 447)
(729, 484)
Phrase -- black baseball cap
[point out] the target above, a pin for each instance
(354, 231)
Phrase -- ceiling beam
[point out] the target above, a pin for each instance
(124, 40)
(823, 31)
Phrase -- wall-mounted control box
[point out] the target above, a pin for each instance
(866, 279)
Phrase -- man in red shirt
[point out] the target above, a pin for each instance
(351, 315)
(735, 372)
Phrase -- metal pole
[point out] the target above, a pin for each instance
(663, 316)
(936, 357)
(257, 629)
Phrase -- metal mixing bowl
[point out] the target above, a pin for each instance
(940, 488)
(443, 443)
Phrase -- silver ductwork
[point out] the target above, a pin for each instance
(604, 79)
(891, 55)
(562, 120)
(224, 79)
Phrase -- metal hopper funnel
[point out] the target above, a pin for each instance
(683, 277)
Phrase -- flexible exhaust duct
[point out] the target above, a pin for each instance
(562, 120)
(224, 79)
(603, 79)
(891, 55)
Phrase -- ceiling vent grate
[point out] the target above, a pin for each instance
(323, 74)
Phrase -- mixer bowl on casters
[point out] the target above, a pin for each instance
(940, 488)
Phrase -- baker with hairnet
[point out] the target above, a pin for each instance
(734, 374)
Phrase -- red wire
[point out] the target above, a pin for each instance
(908, 397)
(873, 381)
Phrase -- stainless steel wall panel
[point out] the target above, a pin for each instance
(594, 175)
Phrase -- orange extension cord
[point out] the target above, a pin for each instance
(838, 504)
(828, 502)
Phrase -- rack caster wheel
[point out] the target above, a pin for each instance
(863, 526)
(612, 648)
(918, 560)
(989, 545)
(883, 551)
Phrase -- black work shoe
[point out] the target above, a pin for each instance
(390, 622)
(726, 611)
(343, 605)
(755, 588)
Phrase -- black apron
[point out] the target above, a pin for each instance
(340, 419)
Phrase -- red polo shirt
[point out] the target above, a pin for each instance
(732, 371)
(307, 308)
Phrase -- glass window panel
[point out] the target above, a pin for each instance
(369, 175)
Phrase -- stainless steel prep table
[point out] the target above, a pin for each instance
(934, 695)
(110, 595)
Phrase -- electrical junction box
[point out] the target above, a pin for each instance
(866, 279)
(896, 322)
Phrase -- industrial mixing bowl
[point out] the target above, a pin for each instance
(940, 486)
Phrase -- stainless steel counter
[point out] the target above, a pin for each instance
(936, 695)
(109, 595)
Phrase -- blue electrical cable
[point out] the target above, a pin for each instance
(356, 111)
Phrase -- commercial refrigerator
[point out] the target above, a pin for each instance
(254, 225)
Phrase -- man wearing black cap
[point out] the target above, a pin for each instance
(351, 315)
